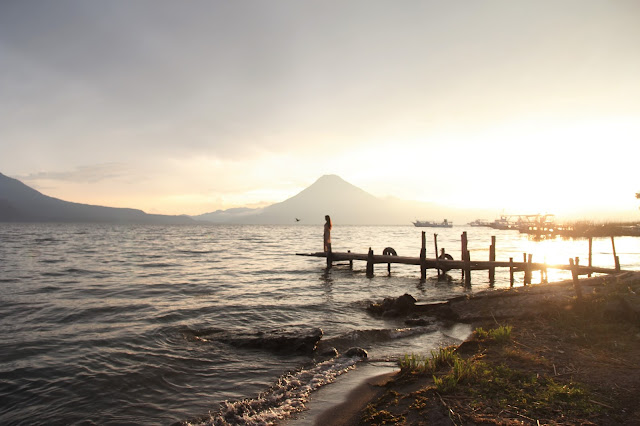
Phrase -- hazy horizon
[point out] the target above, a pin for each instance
(496, 105)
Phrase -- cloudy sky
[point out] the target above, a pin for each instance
(189, 107)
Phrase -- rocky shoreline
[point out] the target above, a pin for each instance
(566, 361)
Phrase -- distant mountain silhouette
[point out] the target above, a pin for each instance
(330, 194)
(21, 203)
(228, 215)
(344, 202)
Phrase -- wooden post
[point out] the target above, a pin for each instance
(524, 260)
(370, 263)
(463, 240)
(423, 258)
(590, 255)
(435, 243)
(529, 270)
(546, 273)
(467, 269)
(616, 259)
(492, 258)
(329, 257)
(350, 262)
(511, 271)
(574, 273)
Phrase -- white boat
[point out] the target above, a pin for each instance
(480, 222)
(430, 224)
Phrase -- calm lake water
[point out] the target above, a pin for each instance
(103, 324)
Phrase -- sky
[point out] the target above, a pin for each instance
(190, 107)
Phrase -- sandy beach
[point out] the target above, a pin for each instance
(565, 361)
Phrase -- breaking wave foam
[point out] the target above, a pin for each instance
(290, 395)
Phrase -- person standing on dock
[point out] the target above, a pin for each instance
(327, 234)
(443, 254)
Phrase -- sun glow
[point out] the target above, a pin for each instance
(533, 166)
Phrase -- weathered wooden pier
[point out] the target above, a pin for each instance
(466, 265)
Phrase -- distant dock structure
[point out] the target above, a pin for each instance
(545, 226)
(466, 265)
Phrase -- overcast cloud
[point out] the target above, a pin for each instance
(209, 98)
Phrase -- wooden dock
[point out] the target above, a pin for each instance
(466, 265)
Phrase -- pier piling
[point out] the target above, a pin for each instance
(616, 259)
(575, 275)
(511, 280)
(370, 263)
(463, 251)
(492, 258)
(467, 269)
(435, 243)
(591, 253)
(423, 258)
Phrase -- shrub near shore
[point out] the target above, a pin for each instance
(574, 363)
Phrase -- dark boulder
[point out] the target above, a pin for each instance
(356, 352)
(329, 352)
(391, 307)
(295, 340)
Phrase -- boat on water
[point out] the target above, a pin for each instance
(480, 222)
(426, 223)
(523, 222)
(504, 223)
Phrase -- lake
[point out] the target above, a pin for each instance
(124, 324)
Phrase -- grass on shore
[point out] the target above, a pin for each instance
(566, 366)
(481, 382)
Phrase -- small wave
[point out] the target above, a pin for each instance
(194, 335)
(67, 271)
(102, 312)
(371, 337)
(77, 271)
(290, 395)
(53, 274)
(52, 260)
(45, 240)
(48, 289)
(300, 340)
(196, 251)
(157, 265)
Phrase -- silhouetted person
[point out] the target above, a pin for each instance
(327, 233)
(445, 256)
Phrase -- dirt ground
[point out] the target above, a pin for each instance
(565, 361)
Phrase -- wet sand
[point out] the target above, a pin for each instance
(347, 396)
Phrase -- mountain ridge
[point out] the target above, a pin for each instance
(344, 202)
(21, 203)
